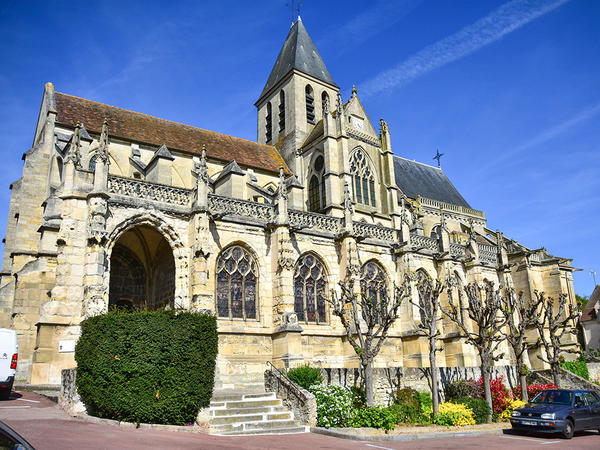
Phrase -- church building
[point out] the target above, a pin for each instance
(116, 208)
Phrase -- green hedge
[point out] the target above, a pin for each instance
(305, 376)
(578, 368)
(147, 366)
(479, 406)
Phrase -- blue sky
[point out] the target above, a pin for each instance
(509, 91)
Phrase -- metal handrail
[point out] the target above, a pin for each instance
(296, 390)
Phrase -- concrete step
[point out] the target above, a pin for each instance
(253, 426)
(223, 396)
(241, 411)
(251, 403)
(252, 418)
(290, 430)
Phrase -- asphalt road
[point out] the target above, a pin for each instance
(45, 426)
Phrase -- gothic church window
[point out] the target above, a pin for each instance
(373, 285)
(268, 123)
(363, 180)
(310, 289)
(237, 279)
(316, 186)
(281, 111)
(92, 165)
(310, 105)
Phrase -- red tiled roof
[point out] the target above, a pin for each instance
(142, 128)
(589, 312)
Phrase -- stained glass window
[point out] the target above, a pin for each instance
(237, 276)
(362, 179)
(310, 289)
(373, 285)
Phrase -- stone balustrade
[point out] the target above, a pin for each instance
(315, 221)
(448, 207)
(146, 190)
(487, 254)
(373, 231)
(219, 205)
(418, 240)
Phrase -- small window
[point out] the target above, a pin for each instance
(92, 165)
(268, 123)
(316, 186)
(281, 111)
(310, 105)
(324, 101)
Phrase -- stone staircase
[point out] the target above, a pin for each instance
(243, 413)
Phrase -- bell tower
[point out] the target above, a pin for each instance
(293, 99)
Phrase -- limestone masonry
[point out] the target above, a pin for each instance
(118, 208)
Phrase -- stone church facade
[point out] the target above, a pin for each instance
(118, 208)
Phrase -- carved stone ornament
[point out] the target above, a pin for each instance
(282, 188)
(326, 106)
(339, 104)
(202, 167)
(348, 204)
(102, 152)
(383, 126)
(74, 151)
(285, 260)
(94, 306)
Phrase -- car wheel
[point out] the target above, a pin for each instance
(4, 395)
(568, 429)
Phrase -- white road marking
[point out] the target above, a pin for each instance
(532, 440)
(27, 400)
(14, 407)
(379, 446)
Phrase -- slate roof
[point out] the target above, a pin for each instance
(152, 131)
(589, 313)
(298, 52)
(415, 178)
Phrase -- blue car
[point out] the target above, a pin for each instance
(559, 411)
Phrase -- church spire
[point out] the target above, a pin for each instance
(298, 53)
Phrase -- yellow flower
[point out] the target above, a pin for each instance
(507, 413)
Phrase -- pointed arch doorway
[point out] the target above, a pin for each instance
(142, 270)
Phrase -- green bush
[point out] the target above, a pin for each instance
(374, 417)
(334, 405)
(147, 366)
(406, 413)
(305, 376)
(577, 367)
(407, 396)
(463, 388)
(359, 396)
(479, 407)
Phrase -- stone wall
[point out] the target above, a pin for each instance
(388, 380)
(68, 399)
(299, 400)
(594, 370)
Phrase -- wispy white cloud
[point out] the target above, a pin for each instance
(500, 22)
(368, 23)
(543, 137)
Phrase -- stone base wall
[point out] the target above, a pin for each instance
(594, 370)
(388, 380)
(69, 399)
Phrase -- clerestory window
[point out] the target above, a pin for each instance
(363, 180)
(237, 279)
(316, 186)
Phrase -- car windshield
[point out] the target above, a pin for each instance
(554, 397)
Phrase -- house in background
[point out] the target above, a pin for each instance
(590, 319)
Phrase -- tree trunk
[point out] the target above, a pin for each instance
(434, 376)
(524, 394)
(485, 371)
(523, 378)
(368, 371)
(556, 374)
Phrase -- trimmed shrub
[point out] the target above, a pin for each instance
(407, 396)
(426, 407)
(463, 388)
(334, 405)
(305, 376)
(507, 413)
(479, 407)
(374, 417)
(579, 368)
(406, 413)
(147, 366)
(454, 414)
(501, 396)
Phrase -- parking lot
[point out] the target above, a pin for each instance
(45, 426)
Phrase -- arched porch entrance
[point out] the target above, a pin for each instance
(142, 270)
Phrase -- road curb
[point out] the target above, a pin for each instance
(143, 426)
(404, 437)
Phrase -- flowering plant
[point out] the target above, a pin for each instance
(454, 414)
(532, 390)
(507, 413)
(334, 405)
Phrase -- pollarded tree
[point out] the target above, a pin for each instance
(520, 316)
(483, 306)
(367, 322)
(428, 304)
(552, 326)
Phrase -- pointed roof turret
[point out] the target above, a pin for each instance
(298, 52)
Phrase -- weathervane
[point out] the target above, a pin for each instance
(438, 156)
(298, 4)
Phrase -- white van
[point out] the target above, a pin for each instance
(9, 352)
